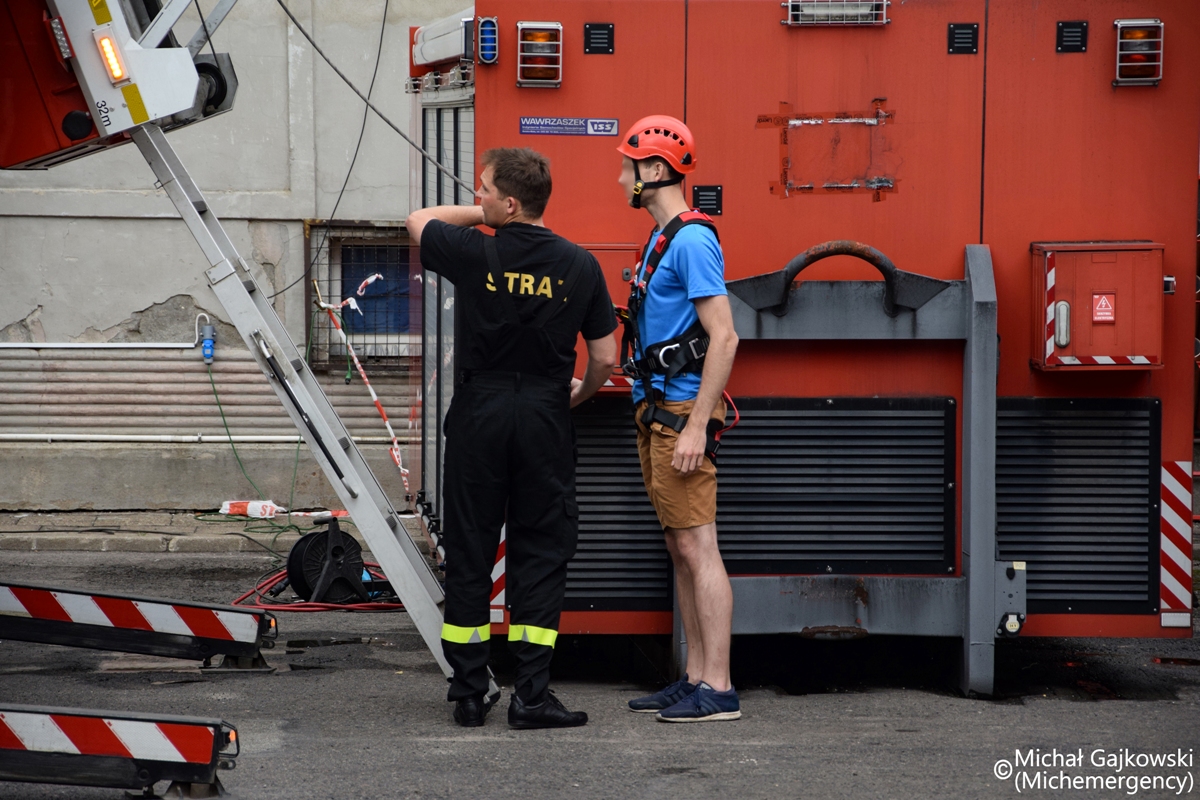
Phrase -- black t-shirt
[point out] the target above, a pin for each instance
(536, 266)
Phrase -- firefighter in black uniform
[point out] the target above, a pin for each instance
(523, 298)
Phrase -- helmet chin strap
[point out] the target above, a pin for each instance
(639, 185)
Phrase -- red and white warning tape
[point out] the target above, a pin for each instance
(99, 736)
(119, 612)
(1175, 557)
(337, 325)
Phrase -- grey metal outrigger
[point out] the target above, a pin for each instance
(987, 600)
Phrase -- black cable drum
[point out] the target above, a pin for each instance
(308, 559)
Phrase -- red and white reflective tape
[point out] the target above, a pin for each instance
(1050, 307)
(337, 326)
(619, 381)
(497, 603)
(97, 736)
(1175, 557)
(119, 612)
(1087, 361)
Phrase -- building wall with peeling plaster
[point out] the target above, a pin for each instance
(91, 252)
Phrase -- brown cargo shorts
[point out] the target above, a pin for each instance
(682, 501)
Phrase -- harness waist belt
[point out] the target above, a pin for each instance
(676, 356)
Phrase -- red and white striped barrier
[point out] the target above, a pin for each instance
(112, 749)
(96, 736)
(131, 624)
(115, 612)
(1175, 557)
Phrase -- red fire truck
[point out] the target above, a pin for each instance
(973, 417)
(958, 238)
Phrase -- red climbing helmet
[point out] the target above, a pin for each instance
(660, 135)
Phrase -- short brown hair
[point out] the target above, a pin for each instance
(521, 173)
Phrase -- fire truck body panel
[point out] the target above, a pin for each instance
(951, 124)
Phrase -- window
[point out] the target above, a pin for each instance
(448, 132)
(385, 330)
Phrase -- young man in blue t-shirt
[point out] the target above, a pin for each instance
(687, 287)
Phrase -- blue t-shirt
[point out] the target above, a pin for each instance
(691, 269)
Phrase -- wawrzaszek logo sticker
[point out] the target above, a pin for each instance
(1122, 771)
(569, 126)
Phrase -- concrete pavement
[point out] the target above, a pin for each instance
(356, 708)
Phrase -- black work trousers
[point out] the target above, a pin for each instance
(510, 460)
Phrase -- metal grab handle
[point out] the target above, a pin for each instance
(901, 289)
(845, 247)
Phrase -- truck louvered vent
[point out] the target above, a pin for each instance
(836, 12)
(806, 486)
(1076, 484)
(707, 199)
(839, 486)
(962, 38)
(1071, 37)
(621, 562)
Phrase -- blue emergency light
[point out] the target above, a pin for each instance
(489, 40)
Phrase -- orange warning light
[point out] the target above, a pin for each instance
(539, 56)
(110, 54)
(1139, 52)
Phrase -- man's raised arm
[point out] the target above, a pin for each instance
(464, 216)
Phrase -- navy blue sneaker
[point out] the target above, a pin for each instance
(663, 698)
(705, 704)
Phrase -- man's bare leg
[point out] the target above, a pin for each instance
(711, 599)
(694, 668)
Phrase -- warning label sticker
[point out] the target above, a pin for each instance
(1104, 307)
(569, 126)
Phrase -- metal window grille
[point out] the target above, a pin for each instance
(386, 330)
(836, 12)
(448, 133)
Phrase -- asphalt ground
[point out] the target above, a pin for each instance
(356, 707)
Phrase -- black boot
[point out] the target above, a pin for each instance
(550, 713)
(470, 712)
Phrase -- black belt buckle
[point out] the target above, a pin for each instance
(647, 418)
(660, 356)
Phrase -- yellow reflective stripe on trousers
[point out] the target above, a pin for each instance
(461, 635)
(532, 634)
